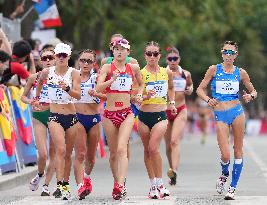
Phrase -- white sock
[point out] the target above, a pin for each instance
(159, 181)
(153, 182)
(86, 176)
(79, 185)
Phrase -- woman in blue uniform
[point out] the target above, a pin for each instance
(225, 79)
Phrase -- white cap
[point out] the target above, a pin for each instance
(62, 48)
(123, 43)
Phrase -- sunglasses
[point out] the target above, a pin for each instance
(62, 55)
(175, 58)
(48, 57)
(229, 52)
(88, 61)
(155, 53)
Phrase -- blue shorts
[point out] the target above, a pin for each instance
(228, 116)
(88, 121)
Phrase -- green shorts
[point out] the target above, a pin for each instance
(41, 116)
(151, 118)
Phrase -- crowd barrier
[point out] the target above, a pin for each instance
(17, 146)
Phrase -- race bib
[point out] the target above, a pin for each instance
(44, 94)
(227, 87)
(122, 83)
(85, 97)
(179, 84)
(160, 87)
(58, 95)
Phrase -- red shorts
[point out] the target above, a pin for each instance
(118, 116)
(172, 117)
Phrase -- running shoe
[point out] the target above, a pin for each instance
(230, 195)
(172, 175)
(118, 191)
(45, 191)
(221, 183)
(85, 189)
(58, 192)
(163, 191)
(34, 184)
(153, 193)
(66, 192)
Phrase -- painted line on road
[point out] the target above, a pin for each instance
(256, 159)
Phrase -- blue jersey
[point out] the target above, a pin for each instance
(225, 86)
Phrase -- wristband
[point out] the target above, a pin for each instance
(37, 98)
(67, 89)
(172, 102)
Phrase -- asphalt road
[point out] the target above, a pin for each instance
(197, 175)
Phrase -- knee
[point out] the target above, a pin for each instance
(61, 151)
(122, 151)
(80, 157)
(153, 150)
(173, 143)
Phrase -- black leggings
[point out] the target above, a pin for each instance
(66, 121)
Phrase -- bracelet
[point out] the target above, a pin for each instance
(252, 96)
(37, 98)
(208, 100)
(172, 102)
(139, 95)
(67, 89)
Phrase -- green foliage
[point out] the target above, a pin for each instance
(196, 27)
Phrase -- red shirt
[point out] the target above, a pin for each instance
(128, 72)
(19, 69)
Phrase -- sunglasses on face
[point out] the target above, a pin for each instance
(174, 58)
(229, 52)
(48, 57)
(62, 55)
(149, 53)
(88, 61)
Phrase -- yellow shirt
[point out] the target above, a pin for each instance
(157, 82)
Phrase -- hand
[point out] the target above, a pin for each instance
(137, 99)
(35, 104)
(188, 90)
(62, 84)
(92, 93)
(3, 86)
(212, 102)
(173, 109)
(246, 97)
(150, 93)
(116, 73)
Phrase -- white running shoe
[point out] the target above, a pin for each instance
(153, 193)
(230, 195)
(45, 191)
(66, 192)
(34, 184)
(163, 191)
(221, 183)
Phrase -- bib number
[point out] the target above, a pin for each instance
(122, 83)
(227, 87)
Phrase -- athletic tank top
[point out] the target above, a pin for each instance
(123, 83)
(157, 82)
(179, 82)
(56, 94)
(44, 92)
(90, 84)
(110, 59)
(225, 86)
